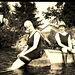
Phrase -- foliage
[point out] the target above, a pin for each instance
(64, 11)
(10, 33)
(26, 12)
(68, 15)
(52, 12)
(4, 9)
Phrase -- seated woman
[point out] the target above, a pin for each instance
(64, 41)
(32, 51)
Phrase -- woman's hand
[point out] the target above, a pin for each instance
(69, 48)
(20, 54)
(65, 49)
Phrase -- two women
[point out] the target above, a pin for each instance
(32, 51)
(64, 41)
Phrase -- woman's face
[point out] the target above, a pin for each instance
(29, 29)
(62, 29)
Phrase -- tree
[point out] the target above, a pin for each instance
(68, 15)
(4, 33)
(4, 9)
(16, 20)
(64, 11)
(27, 11)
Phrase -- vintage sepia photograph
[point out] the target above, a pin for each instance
(37, 38)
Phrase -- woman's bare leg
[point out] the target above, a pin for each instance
(17, 64)
(73, 55)
(64, 53)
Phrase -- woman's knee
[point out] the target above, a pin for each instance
(64, 50)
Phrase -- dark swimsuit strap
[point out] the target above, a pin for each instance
(33, 34)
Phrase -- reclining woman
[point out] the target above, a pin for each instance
(33, 49)
(64, 41)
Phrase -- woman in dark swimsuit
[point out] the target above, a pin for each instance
(63, 40)
(32, 51)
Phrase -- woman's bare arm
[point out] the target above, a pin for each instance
(35, 44)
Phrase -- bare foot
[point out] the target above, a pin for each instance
(9, 69)
(6, 70)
